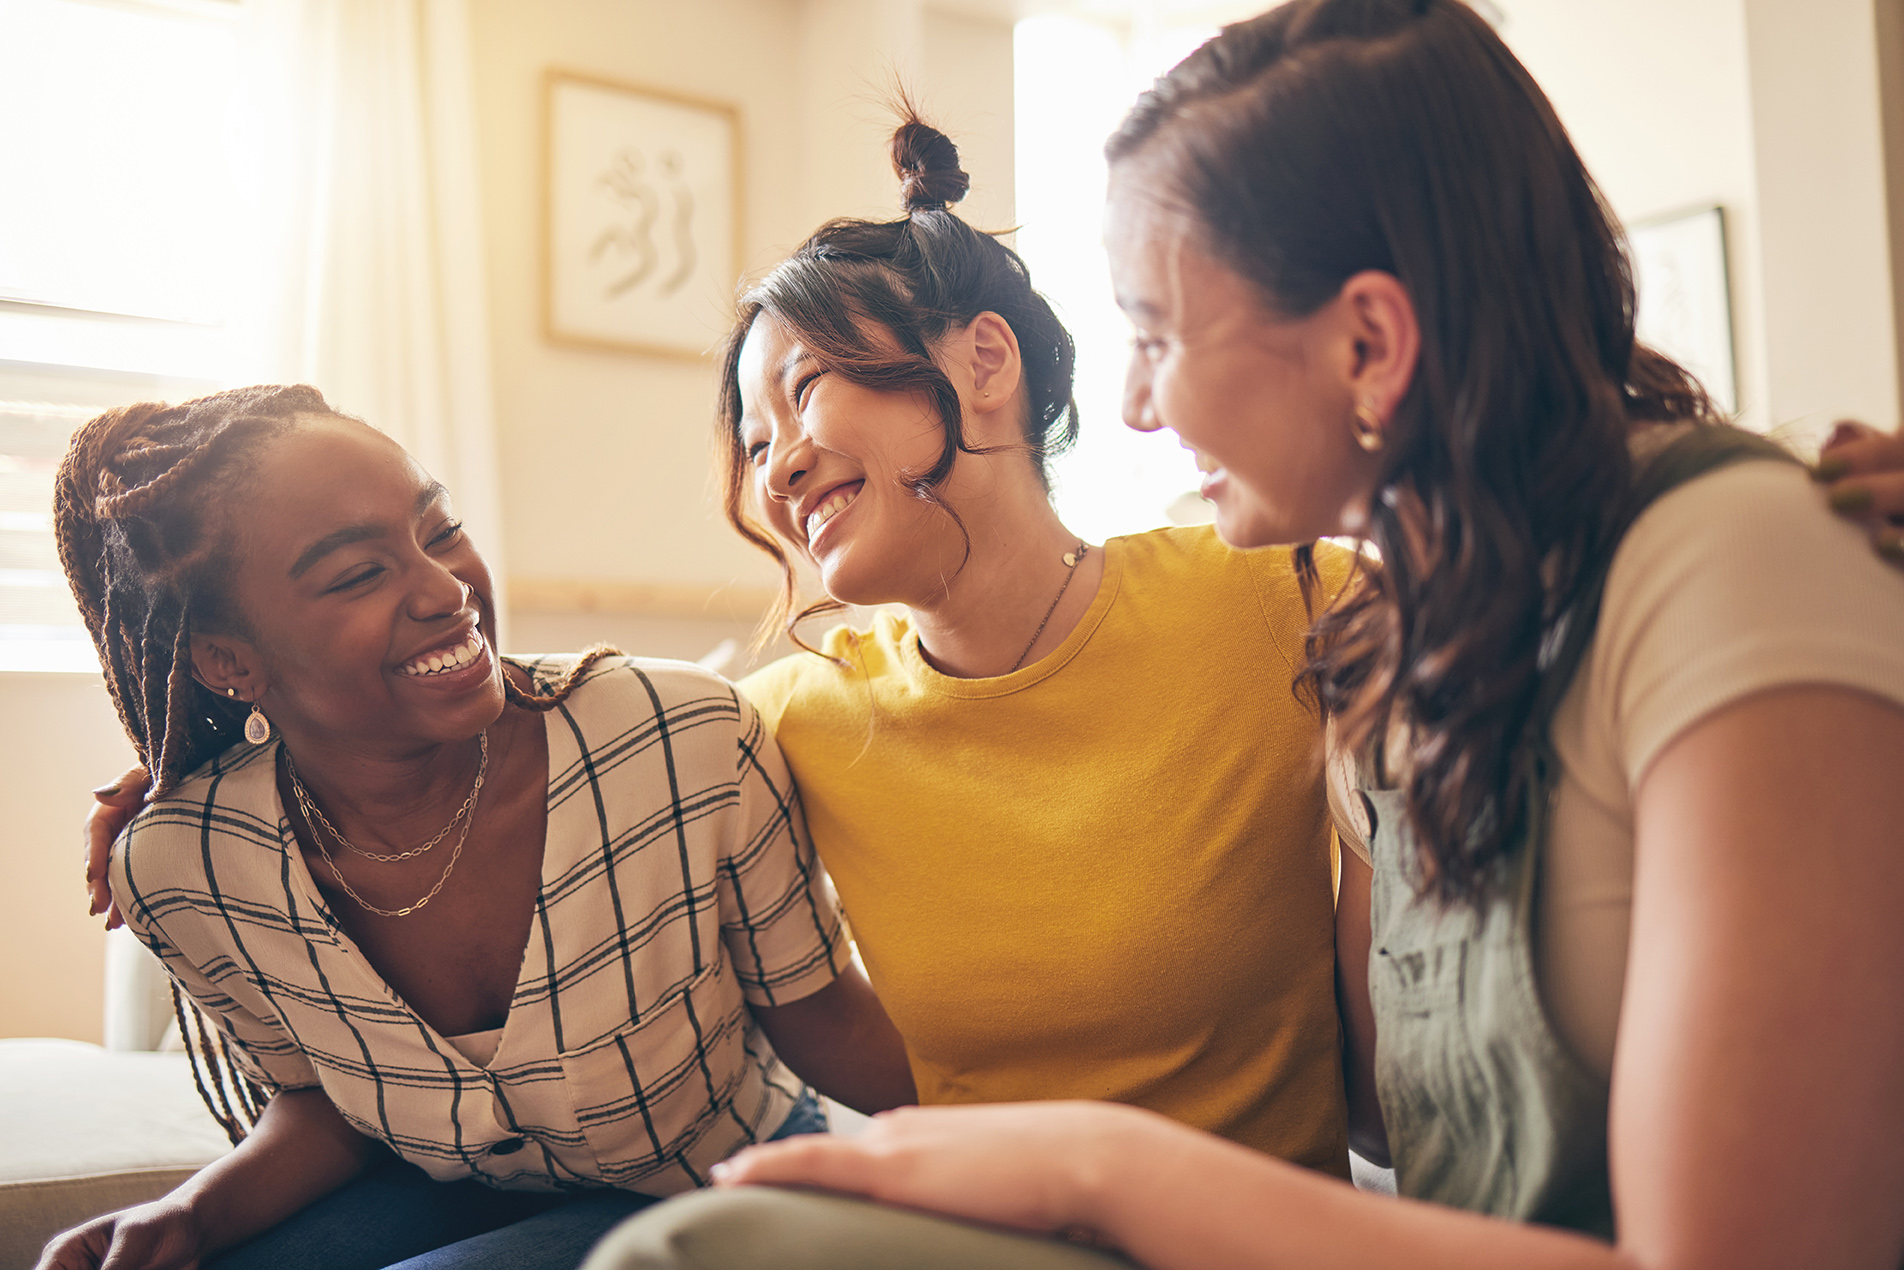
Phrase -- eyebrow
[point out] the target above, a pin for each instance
(426, 498)
(1134, 306)
(795, 360)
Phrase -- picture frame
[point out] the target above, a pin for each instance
(1684, 294)
(642, 215)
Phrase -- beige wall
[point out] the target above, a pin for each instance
(62, 738)
(1775, 111)
(1831, 330)
(1657, 99)
(604, 456)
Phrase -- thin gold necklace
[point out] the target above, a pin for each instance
(311, 812)
(1072, 559)
(466, 813)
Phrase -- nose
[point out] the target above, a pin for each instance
(788, 462)
(439, 593)
(1139, 413)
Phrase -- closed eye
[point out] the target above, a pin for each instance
(803, 388)
(354, 579)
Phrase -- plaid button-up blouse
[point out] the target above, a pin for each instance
(677, 883)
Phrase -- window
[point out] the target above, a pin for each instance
(1115, 481)
(39, 625)
(123, 225)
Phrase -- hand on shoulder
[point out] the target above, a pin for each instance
(1862, 470)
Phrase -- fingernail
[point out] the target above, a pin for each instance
(105, 791)
(1855, 498)
(719, 1172)
(92, 908)
(1830, 469)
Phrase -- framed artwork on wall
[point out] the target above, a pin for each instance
(641, 217)
(1685, 298)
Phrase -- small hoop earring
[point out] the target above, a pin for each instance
(1366, 427)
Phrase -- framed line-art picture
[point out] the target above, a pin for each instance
(1685, 299)
(641, 218)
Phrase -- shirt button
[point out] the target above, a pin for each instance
(508, 1146)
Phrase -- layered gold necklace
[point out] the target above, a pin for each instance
(320, 825)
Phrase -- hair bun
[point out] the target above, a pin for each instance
(928, 166)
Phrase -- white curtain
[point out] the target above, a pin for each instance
(363, 120)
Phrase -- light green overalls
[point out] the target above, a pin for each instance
(1486, 1108)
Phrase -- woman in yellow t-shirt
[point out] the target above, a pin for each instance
(1070, 800)
(1068, 795)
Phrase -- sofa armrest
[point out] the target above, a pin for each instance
(138, 995)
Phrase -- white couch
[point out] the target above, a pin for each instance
(86, 1129)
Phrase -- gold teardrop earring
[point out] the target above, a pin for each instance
(1366, 426)
(257, 727)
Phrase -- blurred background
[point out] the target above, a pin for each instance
(355, 193)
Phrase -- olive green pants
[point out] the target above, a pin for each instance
(763, 1228)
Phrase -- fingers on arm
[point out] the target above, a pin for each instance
(115, 806)
(835, 1164)
(1860, 447)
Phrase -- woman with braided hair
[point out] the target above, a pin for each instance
(503, 949)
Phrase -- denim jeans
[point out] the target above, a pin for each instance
(395, 1216)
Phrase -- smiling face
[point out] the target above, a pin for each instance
(1262, 399)
(829, 460)
(369, 612)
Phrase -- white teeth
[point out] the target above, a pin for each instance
(454, 659)
(827, 511)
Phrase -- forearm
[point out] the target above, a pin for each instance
(1201, 1203)
(300, 1151)
(841, 1042)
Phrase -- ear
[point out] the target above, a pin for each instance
(1386, 340)
(223, 664)
(987, 352)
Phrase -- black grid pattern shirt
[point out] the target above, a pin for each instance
(677, 883)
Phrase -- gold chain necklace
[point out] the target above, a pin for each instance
(466, 813)
(1072, 559)
(311, 812)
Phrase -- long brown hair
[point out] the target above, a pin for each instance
(140, 512)
(870, 300)
(1328, 137)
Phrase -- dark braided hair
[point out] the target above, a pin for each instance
(139, 511)
(871, 300)
(148, 556)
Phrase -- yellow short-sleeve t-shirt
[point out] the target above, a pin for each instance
(1105, 875)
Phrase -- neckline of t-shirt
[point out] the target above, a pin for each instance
(925, 676)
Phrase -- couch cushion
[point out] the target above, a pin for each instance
(90, 1130)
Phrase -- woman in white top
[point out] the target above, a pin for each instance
(1638, 968)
